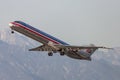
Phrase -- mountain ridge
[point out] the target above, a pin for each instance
(17, 63)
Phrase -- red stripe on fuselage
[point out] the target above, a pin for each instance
(41, 35)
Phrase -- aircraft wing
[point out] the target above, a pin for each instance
(80, 47)
(42, 48)
(59, 47)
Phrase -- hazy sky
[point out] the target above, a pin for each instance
(74, 21)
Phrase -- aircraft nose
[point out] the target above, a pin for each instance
(10, 24)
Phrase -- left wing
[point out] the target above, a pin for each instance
(42, 48)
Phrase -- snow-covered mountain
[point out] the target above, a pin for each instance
(17, 63)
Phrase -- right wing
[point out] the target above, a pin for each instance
(79, 47)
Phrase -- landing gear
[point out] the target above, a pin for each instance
(12, 32)
(50, 54)
(62, 53)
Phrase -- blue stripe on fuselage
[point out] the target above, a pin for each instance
(41, 32)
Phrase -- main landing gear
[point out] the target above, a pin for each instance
(50, 54)
(62, 53)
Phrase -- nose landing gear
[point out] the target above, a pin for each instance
(12, 32)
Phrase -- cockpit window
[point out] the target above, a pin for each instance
(18, 21)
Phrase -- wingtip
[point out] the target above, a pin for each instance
(107, 48)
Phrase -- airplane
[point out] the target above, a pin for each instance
(52, 44)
